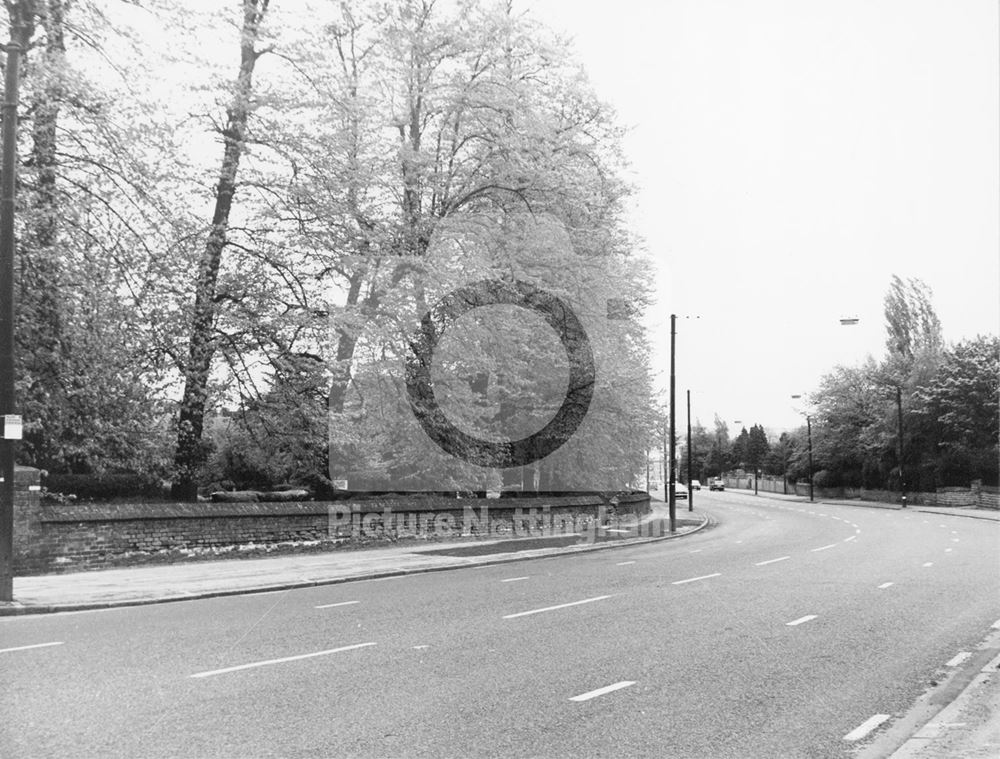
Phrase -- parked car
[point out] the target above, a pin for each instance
(680, 492)
(695, 485)
(717, 484)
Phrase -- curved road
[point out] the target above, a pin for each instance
(787, 629)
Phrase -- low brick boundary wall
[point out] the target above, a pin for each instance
(975, 496)
(56, 537)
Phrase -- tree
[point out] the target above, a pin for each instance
(86, 370)
(961, 407)
(190, 452)
(911, 322)
(757, 447)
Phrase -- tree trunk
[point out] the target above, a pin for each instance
(189, 454)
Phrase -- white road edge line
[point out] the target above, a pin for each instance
(832, 545)
(695, 579)
(602, 691)
(516, 579)
(553, 608)
(958, 658)
(800, 620)
(282, 660)
(771, 561)
(866, 727)
(33, 645)
(885, 585)
(341, 603)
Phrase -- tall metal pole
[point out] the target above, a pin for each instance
(809, 432)
(899, 420)
(672, 501)
(7, 189)
(690, 471)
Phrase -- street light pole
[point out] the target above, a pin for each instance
(671, 495)
(809, 433)
(20, 32)
(899, 421)
(690, 489)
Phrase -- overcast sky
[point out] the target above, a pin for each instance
(790, 156)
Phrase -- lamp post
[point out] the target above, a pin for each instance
(690, 489)
(809, 437)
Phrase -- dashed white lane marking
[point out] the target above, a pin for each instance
(928, 564)
(601, 691)
(695, 579)
(696, 550)
(955, 540)
(885, 585)
(421, 647)
(282, 660)
(514, 579)
(823, 548)
(866, 727)
(958, 658)
(342, 603)
(848, 540)
(771, 561)
(947, 550)
(624, 563)
(33, 645)
(801, 620)
(553, 608)
(739, 541)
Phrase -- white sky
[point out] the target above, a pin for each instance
(790, 156)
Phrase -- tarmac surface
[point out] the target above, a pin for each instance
(959, 719)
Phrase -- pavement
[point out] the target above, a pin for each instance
(966, 725)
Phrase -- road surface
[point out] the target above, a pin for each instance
(787, 629)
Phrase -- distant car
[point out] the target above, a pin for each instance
(680, 492)
(717, 484)
(695, 485)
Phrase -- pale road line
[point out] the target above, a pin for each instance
(866, 727)
(602, 691)
(823, 548)
(800, 620)
(342, 603)
(624, 563)
(281, 661)
(958, 658)
(696, 550)
(34, 645)
(885, 585)
(515, 579)
(848, 540)
(695, 579)
(928, 564)
(947, 550)
(553, 608)
(771, 561)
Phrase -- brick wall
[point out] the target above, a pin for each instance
(56, 537)
(974, 496)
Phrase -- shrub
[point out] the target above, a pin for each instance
(104, 487)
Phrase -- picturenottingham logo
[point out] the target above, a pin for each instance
(493, 364)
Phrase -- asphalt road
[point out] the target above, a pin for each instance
(783, 631)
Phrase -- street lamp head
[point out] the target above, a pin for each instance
(847, 321)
